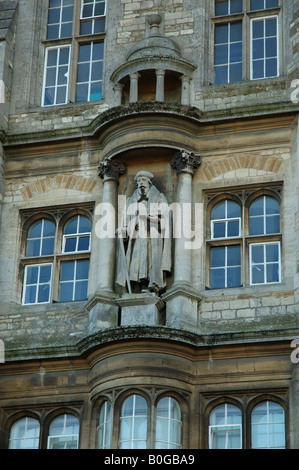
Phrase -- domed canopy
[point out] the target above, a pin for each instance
(154, 45)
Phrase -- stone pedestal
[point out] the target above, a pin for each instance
(141, 309)
(103, 312)
(182, 307)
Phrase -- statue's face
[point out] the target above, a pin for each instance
(143, 185)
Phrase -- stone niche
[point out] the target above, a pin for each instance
(154, 70)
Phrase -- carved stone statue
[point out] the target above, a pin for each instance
(144, 239)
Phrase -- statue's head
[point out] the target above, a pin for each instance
(144, 181)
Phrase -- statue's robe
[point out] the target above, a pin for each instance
(147, 257)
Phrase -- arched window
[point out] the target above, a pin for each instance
(226, 220)
(24, 434)
(105, 426)
(133, 423)
(64, 432)
(268, 426)
(265, 259)
(225, 260)
(38, 273)
(168, 424)
(76, 235)
(264, 216)
(225, 430)
(74, 272)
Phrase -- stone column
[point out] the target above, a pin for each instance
(160, 74)
(182, 299)
(109, 171)
(103, 308)
(185, 163)
(118, 92)
(185, 95)
(134, 87)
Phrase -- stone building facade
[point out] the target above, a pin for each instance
(203, 95)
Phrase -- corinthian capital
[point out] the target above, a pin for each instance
(110, 169)
(185, 162)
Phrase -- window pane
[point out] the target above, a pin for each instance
(70, 245)
(86, 27)
(83, 243)
(217, 257)
(45, 273)
(83, 73)
(217, 278)
(273, 272)
(32, 275)
(99, 26)
(258, 29)
(43, 293)
(271, 3)
(66, 291)
(71, 226)
(33, 247)
(233, 255)
(30, 295)
(271, 68)
(257, 4)
(258, 49)
(221, 33)
(233, 228)
(221, 74)
(271, 27)
(233, 277)
(66, 30)
(236, 32)
(84, 52)
(235, 6)
(221, 8)
(218, 211)
(67, 271)
(82, 270)
(82, 92)
(219, 229)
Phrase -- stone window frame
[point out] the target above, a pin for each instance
(244, 196)
(60, 216)
(73, 42)
(247, 16)
(246, 404)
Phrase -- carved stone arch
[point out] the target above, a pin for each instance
(215, 168)
(66, 181)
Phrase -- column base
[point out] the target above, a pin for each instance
(141, 309)
(103, 312)
(182, 307)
